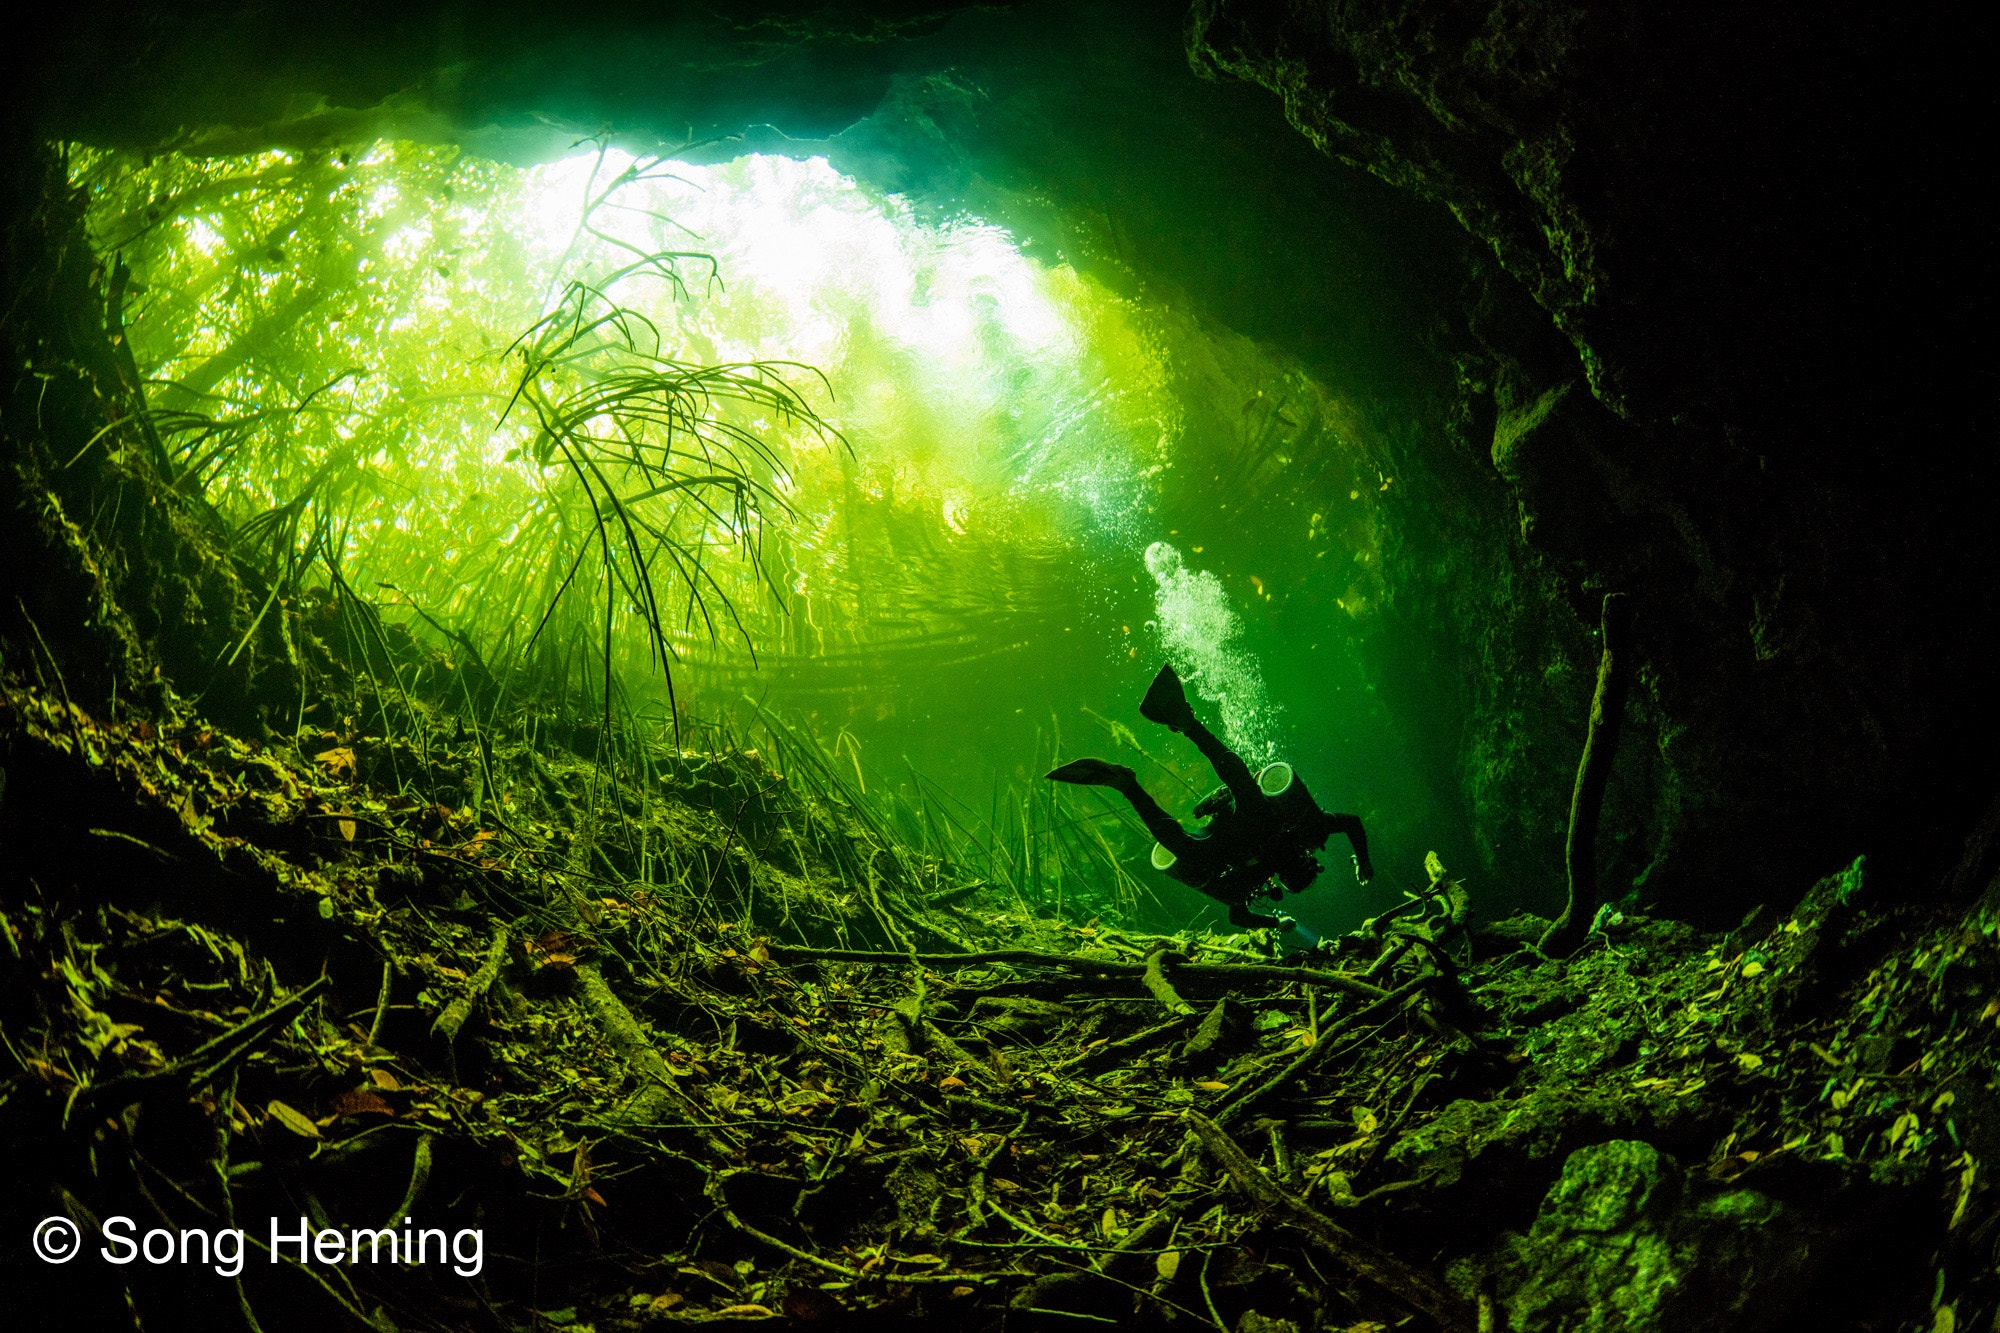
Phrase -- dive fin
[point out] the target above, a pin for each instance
(1166, 702)
(1092, 773)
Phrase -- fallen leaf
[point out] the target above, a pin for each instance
(1210, 1085)
(292, 1120)
(951, 1081)
(347, 830)
(758, 1311)
(1364, 1120)
(1167, 1264)
(1749, 1062)
(713, 1268)
(361, 1102)
(664, 1302)
(384, 1080)
(552, 941)
(1752, 968)
(961, 1291)
(809, 1304)
(1967, 1175)
(338, 760)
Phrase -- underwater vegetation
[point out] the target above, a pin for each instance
(544, 559)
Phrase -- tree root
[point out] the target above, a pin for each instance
(1224, 972)
(1311, 1056)
(1354, 1256)
(1593, 771)
(1155, 977)
(454, 1015)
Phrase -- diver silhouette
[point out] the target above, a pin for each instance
(1259, 827)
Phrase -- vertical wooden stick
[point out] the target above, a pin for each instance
(1607, 712)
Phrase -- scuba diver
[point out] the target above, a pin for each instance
(1259, 827)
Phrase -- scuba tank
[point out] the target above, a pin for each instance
(1291, 816)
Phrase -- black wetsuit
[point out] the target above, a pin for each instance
(1250, 839)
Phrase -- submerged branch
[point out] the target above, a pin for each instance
(1077, 963)
(1593, 772)
(1358, 1258)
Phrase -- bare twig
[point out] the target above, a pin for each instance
(1235, 1109)
(1357, 1257)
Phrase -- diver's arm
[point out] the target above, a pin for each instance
(1357, 838)
(1239, 915)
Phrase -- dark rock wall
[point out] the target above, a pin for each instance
(1750, 224)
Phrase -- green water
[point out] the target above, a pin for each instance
(944, 505)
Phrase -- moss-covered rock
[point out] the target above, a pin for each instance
(1624, 1244)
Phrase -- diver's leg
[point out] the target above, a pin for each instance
(1166, 703)
(1166, 830)
(1228, 765)
(1357, 838)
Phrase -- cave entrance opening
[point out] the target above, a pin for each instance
(828, 454)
